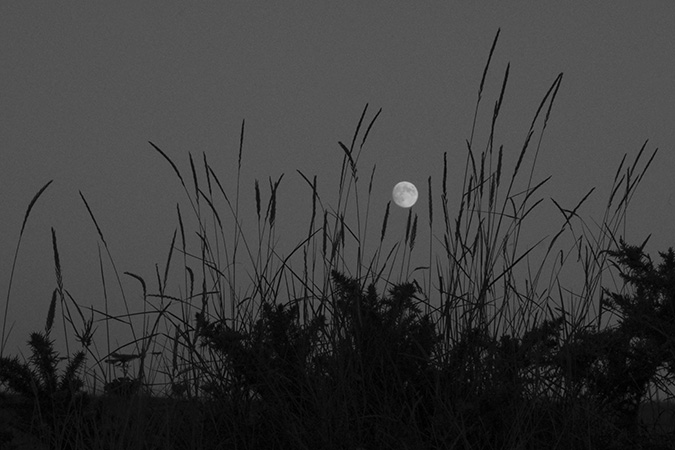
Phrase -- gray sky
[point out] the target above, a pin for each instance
(84, 86)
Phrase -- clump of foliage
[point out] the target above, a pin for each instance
(271, 357)
(370, 360)
(37, 381)
(39, 377)
(614, 367)
(382, 353)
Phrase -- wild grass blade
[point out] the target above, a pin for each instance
(3, 337)
(112, 262)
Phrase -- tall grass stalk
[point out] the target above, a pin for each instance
(3, 336)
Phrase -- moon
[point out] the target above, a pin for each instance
(404, 194)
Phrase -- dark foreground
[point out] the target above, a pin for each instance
(146, 422)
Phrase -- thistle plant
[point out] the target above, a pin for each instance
(37, 381)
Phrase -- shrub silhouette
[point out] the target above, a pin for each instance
(374, 360)
(37, 380)
(375, 372)
(613, 367)
(644, 341)
(270, 359)
(378, 356)
(382, 337)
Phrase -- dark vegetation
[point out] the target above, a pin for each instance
(335, 352)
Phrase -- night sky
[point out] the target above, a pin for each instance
(85, 85)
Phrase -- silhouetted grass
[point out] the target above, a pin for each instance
(344, 343)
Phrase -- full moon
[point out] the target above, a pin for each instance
(404, 194)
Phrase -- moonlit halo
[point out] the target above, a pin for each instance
(404, 194)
